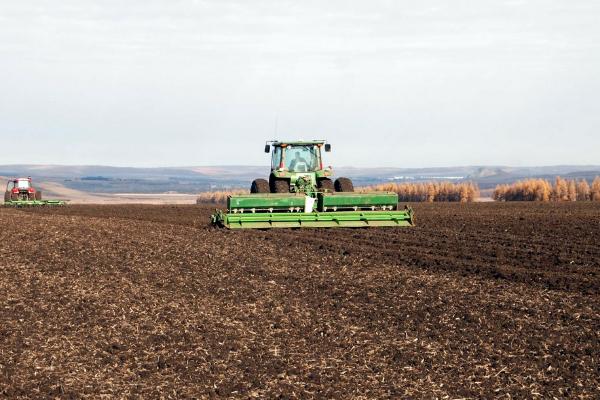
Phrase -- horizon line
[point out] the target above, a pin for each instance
(266, 166)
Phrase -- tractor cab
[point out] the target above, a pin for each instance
(21, 189)
(297, 157)
(22, 184)
(296, 166)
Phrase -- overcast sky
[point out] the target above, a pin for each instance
(388, 83)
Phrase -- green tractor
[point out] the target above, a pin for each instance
(301, 193)
(297, 167)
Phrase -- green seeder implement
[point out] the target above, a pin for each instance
(34, 203)
(300, 194)
(353, 210)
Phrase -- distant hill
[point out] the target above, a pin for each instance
(194, 179)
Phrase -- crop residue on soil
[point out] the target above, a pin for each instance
(477, 301)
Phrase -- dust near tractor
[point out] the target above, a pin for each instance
(21, 193)
(300, 193)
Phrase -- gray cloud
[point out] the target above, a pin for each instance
(426, 83)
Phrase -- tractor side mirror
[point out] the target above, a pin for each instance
(267, 148)
(327, 147)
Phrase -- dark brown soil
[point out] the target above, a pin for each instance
(478, 301)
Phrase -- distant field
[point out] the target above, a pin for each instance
(59, 191)
(195, 179)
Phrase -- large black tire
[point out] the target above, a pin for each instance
(325, 185)
(6, 196)
(260, 186)
(280, 186)
(38, 195)
(343, 185)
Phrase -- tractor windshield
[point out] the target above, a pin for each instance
(302, 158)
(23, 184)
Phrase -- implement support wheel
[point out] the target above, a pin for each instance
(344, 185)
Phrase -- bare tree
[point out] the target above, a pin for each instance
(595, 191)
(572, 190)
(561, 190)
(583, 190)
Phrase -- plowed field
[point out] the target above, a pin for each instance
(477, 301)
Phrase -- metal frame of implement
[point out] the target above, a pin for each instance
(331, 210)
(34, 203)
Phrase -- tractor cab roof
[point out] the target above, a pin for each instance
(20, 180)
(20, 183)
(296, 142)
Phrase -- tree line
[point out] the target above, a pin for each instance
(431, 191)
(542, 190)
(413, 192)
(218, 197)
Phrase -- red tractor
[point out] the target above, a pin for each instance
(20, 189)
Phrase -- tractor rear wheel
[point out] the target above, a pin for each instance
(280, 186)
(343, 185)
(325, 185)
(38, 195)
(7, 196)
(260, 186)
